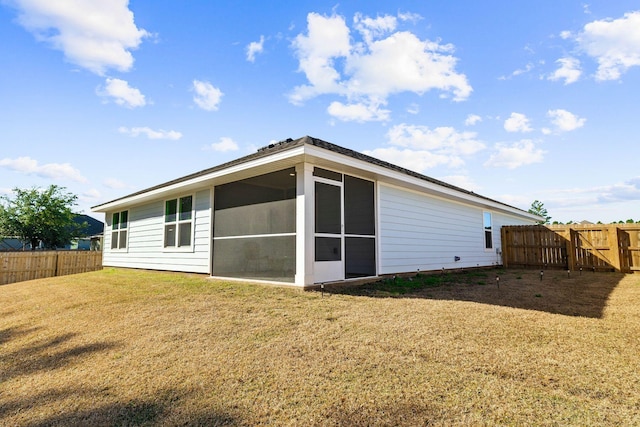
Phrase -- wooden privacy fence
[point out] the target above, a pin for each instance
(590, 247)
(21, 266)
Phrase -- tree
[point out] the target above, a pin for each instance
(37, 215)
(537, 208)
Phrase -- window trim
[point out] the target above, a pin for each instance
(118, 229)
(488, 243)
(177, 222)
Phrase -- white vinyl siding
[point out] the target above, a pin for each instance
(146, 239)
(421, 232)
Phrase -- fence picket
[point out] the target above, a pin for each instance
(593, 246)
(21, 266)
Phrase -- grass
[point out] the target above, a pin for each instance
(121, 347)
(400, 285)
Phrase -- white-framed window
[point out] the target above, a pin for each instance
(119, 227)
(488, 230)
(178, 222)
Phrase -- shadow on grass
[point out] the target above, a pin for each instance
(43, 356)
(137, 412)
(14, 332)
(572, 294)
(33, 407)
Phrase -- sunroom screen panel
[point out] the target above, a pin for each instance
(255, 226)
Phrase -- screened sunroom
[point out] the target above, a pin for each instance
(254, 231)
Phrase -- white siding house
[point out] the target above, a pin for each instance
(421, 232)
(144, 245)
(305, 212)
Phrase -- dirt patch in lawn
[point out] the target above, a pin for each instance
(122, 347)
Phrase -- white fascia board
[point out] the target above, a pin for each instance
(287, 156)
(328, 158)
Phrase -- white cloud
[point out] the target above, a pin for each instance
(382, 62)
(443, 139)
(327, 39)
(420, 148)
(472, 119)
(569, 70)
(413, 108)
(517, 122)
(358, 112)
(96, 35)
(628, 190)
(207, 96)
(402, 62)
(373, 28)
(512, 156)
(591, 197)
(122, 93)
(462, 181)
(114, 183)
(255, 48)
(530, 66)
(415, 160)
(91, 194)
(225, 144)
(30, 166)
(613, 43)
(150, 133)
(565, 121)
(408, 16)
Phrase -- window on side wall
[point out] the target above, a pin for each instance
(488, 231)
(119, 226)
(178, 222)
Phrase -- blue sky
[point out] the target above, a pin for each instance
(517, 101)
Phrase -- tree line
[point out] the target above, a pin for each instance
(537, 208)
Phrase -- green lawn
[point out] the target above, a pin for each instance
(122, 347)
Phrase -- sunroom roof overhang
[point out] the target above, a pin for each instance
(220, 175)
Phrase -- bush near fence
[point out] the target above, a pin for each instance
(597, 247)
(21, 266)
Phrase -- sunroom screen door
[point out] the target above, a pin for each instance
(329, 245)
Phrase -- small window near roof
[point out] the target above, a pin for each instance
(324, 173)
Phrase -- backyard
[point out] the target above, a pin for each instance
(491, 347)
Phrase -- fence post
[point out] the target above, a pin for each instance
(614, 247)
(571, 249)
(505, 247)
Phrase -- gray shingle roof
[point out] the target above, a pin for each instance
(289, 144)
